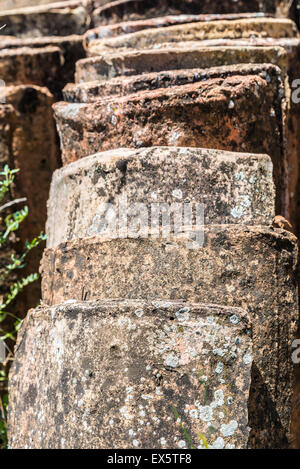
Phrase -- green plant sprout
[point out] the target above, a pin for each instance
(11, 224)
(185, 433)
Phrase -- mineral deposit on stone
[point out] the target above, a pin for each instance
(131, 374)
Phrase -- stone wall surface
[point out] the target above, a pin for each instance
(144, 330)
(46, 61)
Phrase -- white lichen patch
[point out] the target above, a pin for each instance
(139, 313)
(219, 397)
(206, 413)
(183, 314)
(177, 193)
(247, 359)
(219, 443)
(172, 360)
(229, 429)
(234, 319)
(219, 368)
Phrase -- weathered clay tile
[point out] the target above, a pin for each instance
(125, 10)
(219, 113)
(31, 66)
(292, 48)
(128, 27)
(92, 91)
(178, 56)
(126, 371)
(243, 28)
(45, 20)
(249, 267)
(55, 73)
(233, 187)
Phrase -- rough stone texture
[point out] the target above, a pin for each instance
(128, 27)
(218, 113)
(30, 66)
(30, 144)
(124, 10)
(45, 20)
(92, 91)
(56, 72)
(243, 28)
(118, 374)
(170, 56)
(233, 187)
(253, 268)
(178, 56)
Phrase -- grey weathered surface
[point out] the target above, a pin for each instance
(119, 374)
(233, 187)
(174, 56)
(218, 112)
(45, 20)
(128, 27)
(244, 28)
(250, 267)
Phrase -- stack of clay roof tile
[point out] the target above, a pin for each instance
(176, 102)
